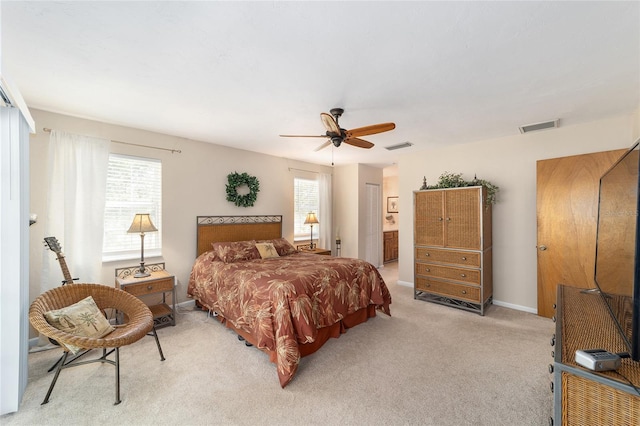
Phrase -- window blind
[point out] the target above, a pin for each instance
(306, 199)
(134, 185)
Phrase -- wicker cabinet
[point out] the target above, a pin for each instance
(390, 246)
(581, 396)
(453, 247)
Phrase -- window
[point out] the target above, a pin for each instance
(306, 198)
(134, 185)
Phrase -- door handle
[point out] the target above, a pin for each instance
(542, 248)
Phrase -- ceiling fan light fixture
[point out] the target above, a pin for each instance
(398, 146)
(336, 135)
(539, 126)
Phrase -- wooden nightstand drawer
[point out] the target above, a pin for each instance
(149, 287)
(159, 282)
(317, 250)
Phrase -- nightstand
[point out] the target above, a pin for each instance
(317, 250)
(158, 282)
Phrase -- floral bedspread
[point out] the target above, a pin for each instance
(283, 301)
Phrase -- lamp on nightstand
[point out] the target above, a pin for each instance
(141, 223)
(311, 220)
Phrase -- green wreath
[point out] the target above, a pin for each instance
(236, 180)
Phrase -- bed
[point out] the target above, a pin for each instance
(285, 302)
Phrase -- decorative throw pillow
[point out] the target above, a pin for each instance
(267, 250)
(80, 319)
(212, 254)
(230, 252)
(283, 247)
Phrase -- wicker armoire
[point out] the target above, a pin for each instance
(453, 247)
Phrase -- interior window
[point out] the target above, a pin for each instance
(134, 185)
(306, 199)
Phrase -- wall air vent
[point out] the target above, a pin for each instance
(539, 126)
(399, 146)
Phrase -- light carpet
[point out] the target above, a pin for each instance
(427, 364)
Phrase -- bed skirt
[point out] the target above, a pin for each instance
(323, 335)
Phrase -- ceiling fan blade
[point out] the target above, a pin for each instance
(329, 123)
(324, 145)
(360, 143)
(371, 130)
(303, 136)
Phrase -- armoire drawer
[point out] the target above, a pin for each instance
(429, 254)
(457, 291)
(471, 276)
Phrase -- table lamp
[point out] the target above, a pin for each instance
(311, 220)
(141, 223)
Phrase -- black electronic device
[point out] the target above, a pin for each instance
(617, 266)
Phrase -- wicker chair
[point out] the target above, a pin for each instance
(138, 323)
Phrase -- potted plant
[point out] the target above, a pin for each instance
(455, 180)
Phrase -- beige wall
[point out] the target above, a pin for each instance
(193, 183)
(510, 163)
(389, 189)
(345, 209)
(349, 198)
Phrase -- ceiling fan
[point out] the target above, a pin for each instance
(336, 135)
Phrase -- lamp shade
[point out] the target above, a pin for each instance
(142, 223)
(311, 219)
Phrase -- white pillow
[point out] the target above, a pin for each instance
(267, 250)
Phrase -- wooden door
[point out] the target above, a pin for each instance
(428, 216)
(462, 218)
(567, 212)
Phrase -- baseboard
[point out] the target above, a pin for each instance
(516, 307)
(495, 302)
(187, 304)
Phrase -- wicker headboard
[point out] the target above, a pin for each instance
(212, 229)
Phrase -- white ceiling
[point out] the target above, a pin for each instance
(241, 73)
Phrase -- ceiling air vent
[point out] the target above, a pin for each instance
(539, 126)
(399, 146)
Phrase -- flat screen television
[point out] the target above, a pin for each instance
(617, 268)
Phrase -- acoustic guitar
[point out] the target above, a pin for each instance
(54, 246)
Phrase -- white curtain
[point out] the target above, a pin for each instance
(75, 206)
(324, 211)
